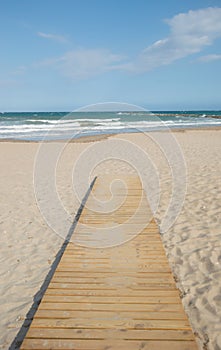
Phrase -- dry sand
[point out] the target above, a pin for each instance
(193, 243)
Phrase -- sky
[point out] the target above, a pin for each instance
(59, 55)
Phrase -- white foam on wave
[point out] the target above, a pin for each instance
(65, 121)
(68, 127)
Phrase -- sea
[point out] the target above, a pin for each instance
(39, 126)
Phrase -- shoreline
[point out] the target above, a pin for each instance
(103, 136)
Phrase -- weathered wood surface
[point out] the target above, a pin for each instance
(118, 297)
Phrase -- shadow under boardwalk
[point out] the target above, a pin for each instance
(113, 288)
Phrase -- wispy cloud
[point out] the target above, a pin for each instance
(8, 83)
(209, 58)
(84, 63)
(19, 71)
(189, 33)
(59, 38)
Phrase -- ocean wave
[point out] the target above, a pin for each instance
(106, 124)
(36, 126)
(64, 121)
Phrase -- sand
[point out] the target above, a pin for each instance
(193, 242)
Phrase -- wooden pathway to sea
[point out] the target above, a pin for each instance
(113, 287)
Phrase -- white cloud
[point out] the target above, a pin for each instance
(210, 58)
(8, 83)
(19, 71)
(190, 33)
(84, 63)
(59, 38)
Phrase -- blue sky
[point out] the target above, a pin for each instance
(61, 55)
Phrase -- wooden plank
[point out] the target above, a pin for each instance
(113, 300)
(67, 333)
(114, 293)
(112, 323)
(102, 315)
(110, 307)
(111, 268)
(111, 280)
(88, 286)
(73, 260)
(117, 298)
(110, 344)
(86, 274)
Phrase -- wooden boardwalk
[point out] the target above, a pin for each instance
(120, 297)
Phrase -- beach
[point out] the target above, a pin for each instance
(192, 239)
